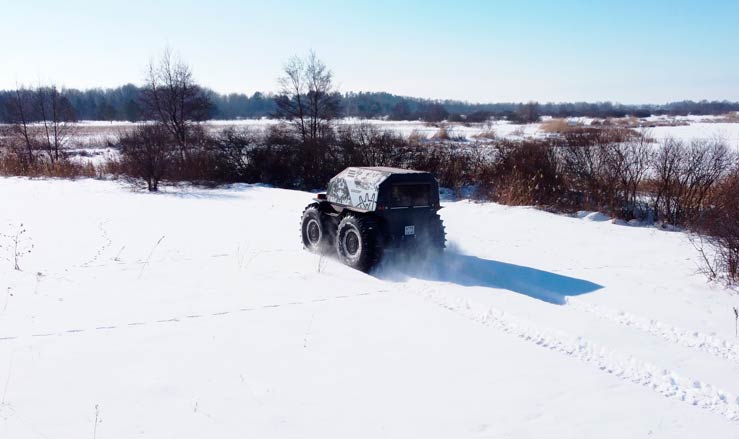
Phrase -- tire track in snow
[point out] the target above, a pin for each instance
(712, 345)
(664, 382)
(186, 317)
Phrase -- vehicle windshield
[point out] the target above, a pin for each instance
(410, 195)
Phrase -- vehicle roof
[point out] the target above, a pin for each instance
(389, 170)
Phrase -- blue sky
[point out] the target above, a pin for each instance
(481, 51)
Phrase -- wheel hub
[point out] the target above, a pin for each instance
(351, 242)
(314, 232)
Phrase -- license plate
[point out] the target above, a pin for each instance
(410, 230)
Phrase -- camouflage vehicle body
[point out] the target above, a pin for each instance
(383, 208)
(372, 188)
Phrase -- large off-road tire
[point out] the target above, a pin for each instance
(315, 230)
(434, 236)
(359, 242)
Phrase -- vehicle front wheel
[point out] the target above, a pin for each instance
(314, 230)
(358, 242)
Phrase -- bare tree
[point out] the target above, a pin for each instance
(21, 113)
(52, 111)
(291, 101)
(307, 97)
(56, 115)
(172, 97)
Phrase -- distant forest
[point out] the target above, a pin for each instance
(124, 104)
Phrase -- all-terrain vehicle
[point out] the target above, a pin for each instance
(368, 210)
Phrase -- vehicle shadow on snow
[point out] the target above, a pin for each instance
(472, 271)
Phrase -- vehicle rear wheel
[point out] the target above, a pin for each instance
(435, 235)
(358, 242)
(314, 230)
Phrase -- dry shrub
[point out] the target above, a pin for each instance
(584, 136)
(606, 168)
(151, 152)
(556, 126)
(720, 224)
(626, 122)
(15, 162)
(231, 150)
(192, 161)
(12, 165)
(732, 117)
(442, 133)
(17, 159)
(525, 173)
(454, 166)
(684, 177)
(366, 145)
(417, 136)
(519, 132)
(487, 134)
(274, 158)
(148, 153)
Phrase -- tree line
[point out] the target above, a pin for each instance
(125, 104)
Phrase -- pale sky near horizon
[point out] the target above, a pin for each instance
(480, 51)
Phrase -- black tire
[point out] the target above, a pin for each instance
(359, 242)
(314, 229)
(434, 235)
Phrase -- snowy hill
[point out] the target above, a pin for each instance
(196, 313)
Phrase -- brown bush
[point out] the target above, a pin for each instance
(148, 153)
(366, 145)
(452, 165)
(12, 164)
(556, 126)
(442, 133)
(15, 161)
(720, 224)
(272, 157)
(417, 136)
(232, 150)
(487, 134)
(684, 177)
(525, 173)
(607, 169)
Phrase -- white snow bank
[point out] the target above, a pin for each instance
(196, 313)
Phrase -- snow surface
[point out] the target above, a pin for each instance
(728, 132)
(196, 313)
(88, 132)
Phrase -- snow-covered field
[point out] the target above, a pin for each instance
(728, 132)
(92, 141)
(687, 128)
(196, 313)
